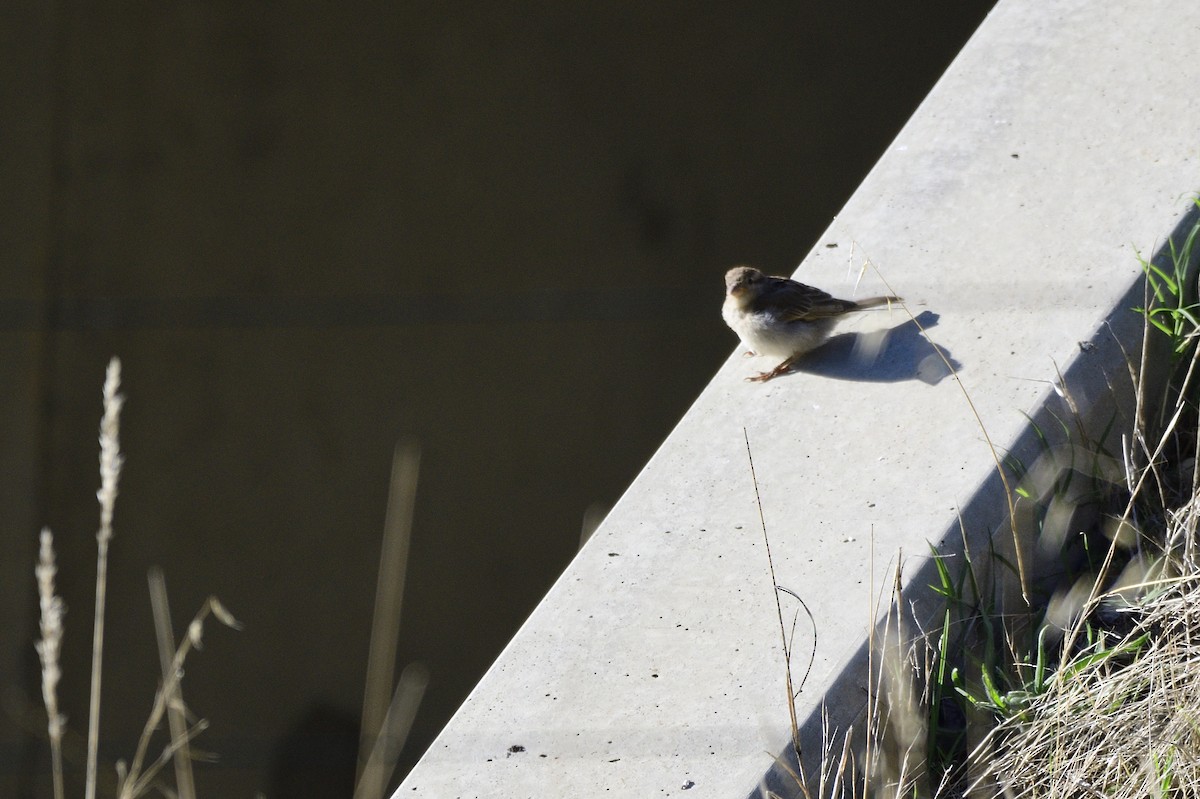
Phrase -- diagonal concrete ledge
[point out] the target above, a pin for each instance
(1006, 212)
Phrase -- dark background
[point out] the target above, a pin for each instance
(312, 230)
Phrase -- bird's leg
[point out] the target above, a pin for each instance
(782, 368)
(748, 354)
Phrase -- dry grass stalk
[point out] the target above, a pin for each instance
(110, 472)
(48, 649)
(139, 777)
(397, 723)
(376, 754)
(176, 711)
(1018, 549)
(787, 653)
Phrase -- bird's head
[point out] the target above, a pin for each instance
(743, 283)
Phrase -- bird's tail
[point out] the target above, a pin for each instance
(874, 302)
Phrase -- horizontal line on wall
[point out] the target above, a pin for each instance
(561, 306)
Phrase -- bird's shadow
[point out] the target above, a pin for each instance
(892, 355)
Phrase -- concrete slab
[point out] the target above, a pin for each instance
(1006, 212)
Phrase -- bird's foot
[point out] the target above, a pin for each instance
(782, 368)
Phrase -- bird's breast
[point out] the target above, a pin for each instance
(767, 334)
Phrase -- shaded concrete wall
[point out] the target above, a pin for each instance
(312, 231)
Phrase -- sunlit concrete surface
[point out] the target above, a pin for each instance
(1007, 213)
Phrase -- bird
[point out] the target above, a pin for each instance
(780, 317)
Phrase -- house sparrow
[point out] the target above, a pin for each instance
(780, 317)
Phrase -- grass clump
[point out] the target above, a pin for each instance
(143, 773)
(1118, 720)
(1091, 689)
(1094, 690)
(390, 705)
(1065, 661)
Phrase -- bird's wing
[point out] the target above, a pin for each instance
(795, 301)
